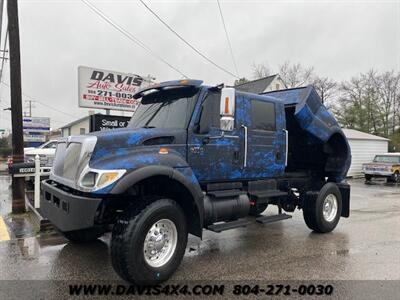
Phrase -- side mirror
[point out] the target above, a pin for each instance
(227, 109)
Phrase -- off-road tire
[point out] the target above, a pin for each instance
(313, 209)
(128, 236)
(368, 178)
(85, 235)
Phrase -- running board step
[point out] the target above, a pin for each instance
(228, 225)
(270, 219)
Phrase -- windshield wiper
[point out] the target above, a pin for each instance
(147, 126)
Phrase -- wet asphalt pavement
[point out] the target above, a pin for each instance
(365, 246)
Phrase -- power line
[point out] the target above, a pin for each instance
(227, 37)
(44, 104)
(129, 35)
(186, 42)
(3, 54)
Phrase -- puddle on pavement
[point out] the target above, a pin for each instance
(20, 226)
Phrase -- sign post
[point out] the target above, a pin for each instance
(18, 184)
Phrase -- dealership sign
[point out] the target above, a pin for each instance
(38, 138)
(36, 124)
(105, 89)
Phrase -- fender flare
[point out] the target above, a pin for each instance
(149, 171)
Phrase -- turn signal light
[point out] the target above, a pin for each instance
(107, 177)
(163, 151)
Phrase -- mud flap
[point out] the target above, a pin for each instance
(345, 192)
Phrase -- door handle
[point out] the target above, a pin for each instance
(245, 146)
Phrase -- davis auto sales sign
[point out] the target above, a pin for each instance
(105, 89)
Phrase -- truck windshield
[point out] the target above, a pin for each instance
(170, 108)
(387, 159)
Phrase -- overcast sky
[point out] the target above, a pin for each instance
(338, 38)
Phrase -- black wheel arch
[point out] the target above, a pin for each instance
(170, 175)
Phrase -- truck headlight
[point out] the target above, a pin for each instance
(89, 180)
(94, 179)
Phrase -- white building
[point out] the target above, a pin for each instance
(364, 147)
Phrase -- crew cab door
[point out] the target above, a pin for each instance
(212, 154)
(266, 141)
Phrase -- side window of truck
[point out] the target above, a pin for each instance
(263, 115)
(210, 110)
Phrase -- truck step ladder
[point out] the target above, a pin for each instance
(266, 195)
(270, 219)
(229, 225)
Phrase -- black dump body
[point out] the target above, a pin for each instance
(316, 141)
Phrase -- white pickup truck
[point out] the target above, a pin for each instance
(45, 151)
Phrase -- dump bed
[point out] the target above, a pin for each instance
(316, 140)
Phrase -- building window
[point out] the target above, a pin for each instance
(81, 130)
(263, 115)
(277, 87)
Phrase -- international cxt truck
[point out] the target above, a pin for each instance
(197, 157)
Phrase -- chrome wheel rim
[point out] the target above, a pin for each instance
(160, 243)
(330, 208)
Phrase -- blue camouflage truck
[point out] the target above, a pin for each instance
(195, 158)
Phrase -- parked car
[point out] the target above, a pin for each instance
(45, 151)
(384, 165)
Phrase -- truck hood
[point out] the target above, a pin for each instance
(115, 142)
(127, 137)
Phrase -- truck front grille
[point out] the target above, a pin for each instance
(67, 159)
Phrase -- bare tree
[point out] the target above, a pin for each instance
(370, 102)
(295, 75)
(387, 86)
(326, 88)
(261, 70)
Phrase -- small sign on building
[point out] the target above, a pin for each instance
(105, 122)
(104, 89)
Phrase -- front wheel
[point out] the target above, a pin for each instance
(323, 213)
(148, 244)
(395, 178)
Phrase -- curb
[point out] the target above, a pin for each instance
(42, 223)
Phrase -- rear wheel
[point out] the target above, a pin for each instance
(323, 213)
(85, 235)
(148, 243)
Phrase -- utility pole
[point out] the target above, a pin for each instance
(30, 107)
(1, 16)
(18, 183)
